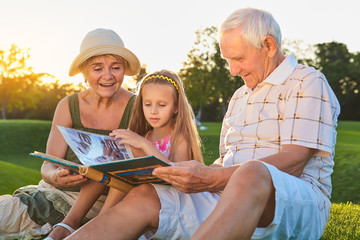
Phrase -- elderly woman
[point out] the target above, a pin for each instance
(103, 61)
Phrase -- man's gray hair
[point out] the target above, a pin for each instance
(255, 25)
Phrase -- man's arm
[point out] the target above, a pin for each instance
(192, 177)
(291, 159)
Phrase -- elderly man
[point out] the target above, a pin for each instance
(272, 180)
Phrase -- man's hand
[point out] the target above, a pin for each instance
(193, 177)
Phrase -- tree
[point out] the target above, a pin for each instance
(342, 70)
(225, 83)
(303, 52)
(45, 108)
(131, 84)
(18, 82)
(205, 74)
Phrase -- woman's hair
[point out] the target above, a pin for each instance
(255, 25)
(183, 121)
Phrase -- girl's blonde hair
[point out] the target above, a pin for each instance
(183, 121)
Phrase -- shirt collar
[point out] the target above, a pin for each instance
(280, 73)
(283, 71)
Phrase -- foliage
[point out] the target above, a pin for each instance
(142, 73)
(18, 82)
(131, 85)
(53, 93)
(304, 53)
(342, 70)
(209, 84)
(23, 94)
(206, 77)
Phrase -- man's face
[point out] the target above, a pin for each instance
(246, 61)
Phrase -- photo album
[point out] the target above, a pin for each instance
(103, 160)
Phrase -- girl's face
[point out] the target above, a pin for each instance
(105, 75)
(158, 101)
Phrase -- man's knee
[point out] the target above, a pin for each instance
(255, 177)
(146, 202)
(253, 171)
(144, 191)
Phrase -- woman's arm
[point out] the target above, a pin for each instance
(57, 146)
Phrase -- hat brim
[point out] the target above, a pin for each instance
(132, 65)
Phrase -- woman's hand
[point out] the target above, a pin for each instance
(60, 177)
(65, 178)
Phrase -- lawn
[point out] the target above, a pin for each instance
(20, 137)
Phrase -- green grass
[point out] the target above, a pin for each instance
(20, 137)
(210, 141)
(345, 179)
(15, 176)
(344, 222)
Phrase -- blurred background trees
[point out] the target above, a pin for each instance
(207, 80)
(209, 84)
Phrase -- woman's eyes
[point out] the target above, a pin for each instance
(100, 69)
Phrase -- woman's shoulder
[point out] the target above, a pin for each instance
(125, 95)
(63, 103)
(62, 113)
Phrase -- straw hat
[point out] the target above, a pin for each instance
(104, 41)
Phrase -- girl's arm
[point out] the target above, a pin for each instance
(181, 151)
(137, 141)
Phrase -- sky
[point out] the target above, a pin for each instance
(159, 32)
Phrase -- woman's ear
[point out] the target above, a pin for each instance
(270, 45)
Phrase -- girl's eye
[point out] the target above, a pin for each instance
(116, 68)
(162, 105)
(97, 69)
(147, 104)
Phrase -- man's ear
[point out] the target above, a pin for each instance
(270, 45)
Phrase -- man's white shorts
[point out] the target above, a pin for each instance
(301, 210)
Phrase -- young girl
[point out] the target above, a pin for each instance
(163, 118)
(162, 124)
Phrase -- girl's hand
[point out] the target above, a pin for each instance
(141, 144)
(129, 137)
